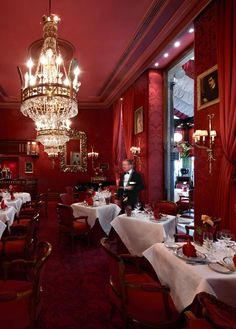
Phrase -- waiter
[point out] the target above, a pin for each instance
(130, 184)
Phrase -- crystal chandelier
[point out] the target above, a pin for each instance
(49, 93)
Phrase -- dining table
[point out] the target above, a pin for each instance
(186, 278)
(7, 215)
(105, 213)
(138, 232)
(24, 196)
(17, 203)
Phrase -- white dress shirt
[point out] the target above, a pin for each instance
(126, 178)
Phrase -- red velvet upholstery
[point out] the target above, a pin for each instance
(71, 225)
(14, 312)
(137, 295)
(218, 313)
(167, 207)
(147, 306)
(19, 300)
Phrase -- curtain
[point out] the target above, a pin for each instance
(118, 138)
(128, 119)
(226, 52)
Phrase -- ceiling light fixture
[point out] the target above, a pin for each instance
(191, 30)
(166, 55)
(49, 91)
(177, 44)
(156, 64)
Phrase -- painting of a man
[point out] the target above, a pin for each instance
(208, 90)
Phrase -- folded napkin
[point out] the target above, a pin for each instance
(3, 205)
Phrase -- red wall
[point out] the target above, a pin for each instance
(205, 58)
(148, 93)
(97, 124)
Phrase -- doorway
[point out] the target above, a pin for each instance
(179, 152)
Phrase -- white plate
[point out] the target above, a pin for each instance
(201, 258)
(219, 268)
(171, 245)
(185, 220)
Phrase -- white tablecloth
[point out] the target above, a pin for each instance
(2, 228)
(185, 280)
(7, 215)
(24, 196)
(104, 213)
(17, 203)
(140, 233)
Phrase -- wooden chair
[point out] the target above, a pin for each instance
(166, 207)
(70, 225)
(213, 313)
(20, 300)
(186, 203)
(41, 202)
(139, 297)
(18, 244)
(66, 199)
(31, 209)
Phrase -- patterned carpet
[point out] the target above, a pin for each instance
(75, 284)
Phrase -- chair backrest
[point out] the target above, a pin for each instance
(43, 251)
(66, 199)
(65, 215)
(116, 268)
(167, 207)
(70, 190)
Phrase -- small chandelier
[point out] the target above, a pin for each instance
(49, 93)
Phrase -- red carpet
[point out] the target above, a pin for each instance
(75, 284)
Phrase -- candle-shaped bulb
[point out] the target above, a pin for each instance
(30, 63)
(77, 71)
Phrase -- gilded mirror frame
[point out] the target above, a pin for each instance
(82, 137)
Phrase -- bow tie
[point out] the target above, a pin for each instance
(127, 173)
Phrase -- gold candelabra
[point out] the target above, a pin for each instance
(205, 139)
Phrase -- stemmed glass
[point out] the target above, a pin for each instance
(138, 206)
(208, 240)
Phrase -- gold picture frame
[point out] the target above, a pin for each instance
(29, 168)
(68, 162)
(138, 121)
(207, 88)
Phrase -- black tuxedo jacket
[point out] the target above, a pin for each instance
(136, 182)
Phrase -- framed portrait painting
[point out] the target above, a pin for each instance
(29, 169)
(208, 88)
(138, 121)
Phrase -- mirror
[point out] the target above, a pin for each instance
(73, 155)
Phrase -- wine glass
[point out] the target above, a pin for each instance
(138, 206)
(208, 240)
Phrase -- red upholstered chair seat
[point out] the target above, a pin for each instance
(80, 227)
(144, 305)
(14, 248)
(166, 207)
(139, 297)
(15, 298)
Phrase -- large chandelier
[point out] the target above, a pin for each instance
(49, 93)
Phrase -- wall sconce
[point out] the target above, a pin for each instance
(200, 138)
(93, 156)
(136, 152)
(32, 148)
